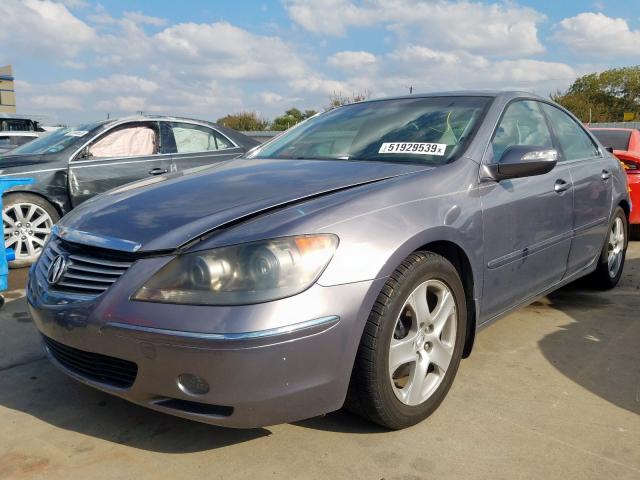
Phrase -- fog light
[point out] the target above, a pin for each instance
(192, 384)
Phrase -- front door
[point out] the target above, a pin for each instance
(527, 221)
(591, 173)
(123, 154)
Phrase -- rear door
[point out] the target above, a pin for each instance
(194, 145)
(527, 221)
(592, 192)
(123, 154)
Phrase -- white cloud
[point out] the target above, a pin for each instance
(75, 3)
(474, 26)
(116, 84)
(222, 50)
(206, 70)
(54, 102)
(122, 103)
(329, 17)
(428, 69)
(139, 17)
(270, 98)
(43, 28)
(351, 60)
(599, 35)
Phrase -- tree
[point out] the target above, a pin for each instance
(244, 121)
(290, 118)
(337, 99)
(604, 96)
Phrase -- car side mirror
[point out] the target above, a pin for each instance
(609, 149)
(523, 161)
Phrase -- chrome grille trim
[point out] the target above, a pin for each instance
(85, 274)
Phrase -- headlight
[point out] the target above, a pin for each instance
(242, 274)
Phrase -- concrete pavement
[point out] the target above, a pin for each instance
(551, 391)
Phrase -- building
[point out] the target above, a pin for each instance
(7, 90)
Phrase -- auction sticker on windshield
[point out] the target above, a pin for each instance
(76, 133)
(419, 148)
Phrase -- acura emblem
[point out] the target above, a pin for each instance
(56, 269)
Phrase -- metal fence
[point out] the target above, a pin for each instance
(615, 125)
(262, 135)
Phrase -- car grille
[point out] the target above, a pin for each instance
(86, 272)
(93, 366)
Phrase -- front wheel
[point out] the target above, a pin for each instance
(27, 221)
(611, 260)
(412, 343)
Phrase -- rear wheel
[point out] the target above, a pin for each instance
(27, 221)
(611, 261)
(412, 343)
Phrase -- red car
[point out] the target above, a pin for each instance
(626, 146)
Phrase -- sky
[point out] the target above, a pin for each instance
(79, 60)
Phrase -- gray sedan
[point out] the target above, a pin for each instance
(349, 261)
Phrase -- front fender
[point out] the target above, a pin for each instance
(50, 185)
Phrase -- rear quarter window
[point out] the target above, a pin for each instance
(616, 139)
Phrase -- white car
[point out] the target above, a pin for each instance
(10, 140)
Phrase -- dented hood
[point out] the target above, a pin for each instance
(163, 213)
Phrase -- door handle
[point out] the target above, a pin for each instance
(158, 171)
(561, 186)
(606, 175)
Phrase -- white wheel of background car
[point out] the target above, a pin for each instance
(422, 343)
(27, 222)
(611, 261)
(615, 246)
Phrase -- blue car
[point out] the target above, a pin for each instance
(350, 261)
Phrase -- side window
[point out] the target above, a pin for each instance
(223, 142)
(521, 124)
(574, 141)
(196, 138)
(127, 141)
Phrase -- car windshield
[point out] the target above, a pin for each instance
(56, 141)
(616, 139)
(431, 130)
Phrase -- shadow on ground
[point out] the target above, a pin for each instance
(41, 391)
(600, 349)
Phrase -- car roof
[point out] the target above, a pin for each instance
(145, 117)
(504, 94)
(18, 133)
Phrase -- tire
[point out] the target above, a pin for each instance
(605, 278)
(33, 228)
(634, 232)
(398, 397)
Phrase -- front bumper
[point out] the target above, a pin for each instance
(265, 364)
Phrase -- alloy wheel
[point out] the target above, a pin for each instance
(26, 228)
(423, 342)
(615, 248)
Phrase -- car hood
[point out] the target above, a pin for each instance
(163, 213)
(7, 160)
